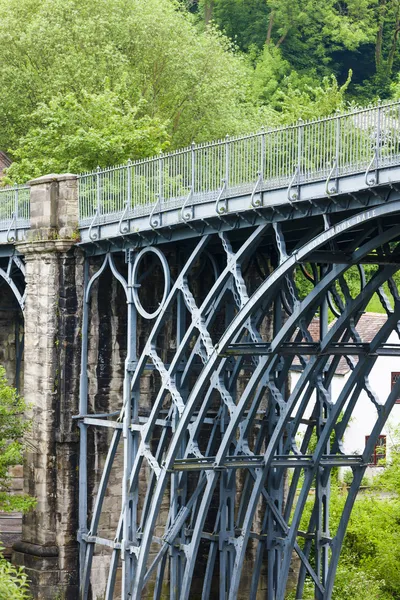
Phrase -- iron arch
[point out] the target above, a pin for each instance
(11, 272)
(190, 394)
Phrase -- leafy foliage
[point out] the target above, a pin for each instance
(13, 581)
(351, 582)
(13, 427)
(111, 73)
(96, 83)
(318, 38)
(75, 134)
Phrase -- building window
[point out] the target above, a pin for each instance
(379, 453)
(394, 378)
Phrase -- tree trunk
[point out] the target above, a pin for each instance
(396, 32)
(379, 35)
(270, 25)
(208, 11)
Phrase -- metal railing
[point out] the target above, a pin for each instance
(14, 207)
(361, 140)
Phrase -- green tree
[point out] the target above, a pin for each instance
(244, 21)
(13, 427)
(316, 27)
(144, 60)
(77, 134)
(318, 38)
(293, 95)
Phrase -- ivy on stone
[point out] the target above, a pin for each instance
(13, 429)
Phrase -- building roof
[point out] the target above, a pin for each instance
(5, 161)
(367, 327)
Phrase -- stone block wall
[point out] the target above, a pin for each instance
(48, 548)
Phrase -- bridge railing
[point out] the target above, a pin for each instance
(14, 207)
(357, 141)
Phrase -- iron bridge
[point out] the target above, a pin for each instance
(252, 237)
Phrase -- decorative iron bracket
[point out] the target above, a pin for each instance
(123, 227)
(93, 235)
(370, 181)
(221, 205)
(296, 195)
(156, 221)
(332, 189)
(256, 203)
(13, 223)
(187, 211)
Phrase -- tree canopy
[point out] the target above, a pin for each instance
(320, 37)
(95, 83)
(102, 67)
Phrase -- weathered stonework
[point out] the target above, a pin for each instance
(48, 549)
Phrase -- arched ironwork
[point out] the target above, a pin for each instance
(12, 274)
(229, 423)
(12, 271)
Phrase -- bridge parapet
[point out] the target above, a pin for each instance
(14, 213)
(54, 207)
(323, 158)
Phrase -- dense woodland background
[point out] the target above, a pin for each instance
(97, 82)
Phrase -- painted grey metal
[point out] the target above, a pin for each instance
(12, 274)
(12, 271)
(308, 160)
(170, 224)
(260, 406)
(14, 213)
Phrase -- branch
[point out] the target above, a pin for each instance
(282, 38)
(379, 35)
(394, 42)
(270, 25)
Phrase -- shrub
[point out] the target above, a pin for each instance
(13, 427)
(13, 581)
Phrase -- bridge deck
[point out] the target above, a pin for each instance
(322, 166)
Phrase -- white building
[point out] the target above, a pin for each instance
(384, 373)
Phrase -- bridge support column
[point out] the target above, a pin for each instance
(48, 549)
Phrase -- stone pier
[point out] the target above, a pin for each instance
(48, 548)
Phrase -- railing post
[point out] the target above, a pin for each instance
(378, 141)
(300, 144)
(14, 218)
(16, 211)
(193, 166)
(93, 235)
(160, 176)
(98, 194)
(337, 150)
(263, 156)
(227, 161)
(370, 181)
(330, 186)
(129, 185)
(296, 179)
(124, 226)
(187, 211)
